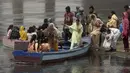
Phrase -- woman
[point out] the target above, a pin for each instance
(32, 47)
(15, 33)
(95, 34)
(125, 32)
(76, 29)
(9, 30)
(31, 31)
(52, 35)
(23, 33)
(68, 20)
(114, 20)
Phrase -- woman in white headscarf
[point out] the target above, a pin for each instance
(96, 25)
(52, 34)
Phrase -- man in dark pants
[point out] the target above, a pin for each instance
(68, 20)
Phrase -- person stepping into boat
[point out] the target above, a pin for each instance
(76, 29)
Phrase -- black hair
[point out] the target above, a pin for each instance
(126, 7)
(45, 20)
(113, 12)
(39, 28)
(16, 27)
(31, 29)
(109, 17)
(33, 38)
(93, 16)
(45, 24)
(68, 8)
(103, 29)
(10, 27)
(108, 31)
(91, 7)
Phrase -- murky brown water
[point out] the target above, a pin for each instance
(32, 12)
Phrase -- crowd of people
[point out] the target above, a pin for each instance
(76, 25)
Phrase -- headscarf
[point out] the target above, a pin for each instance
(23, 33)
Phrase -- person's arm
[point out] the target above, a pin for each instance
(65, 18)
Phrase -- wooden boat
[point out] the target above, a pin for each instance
(24, 56)
(15, 44)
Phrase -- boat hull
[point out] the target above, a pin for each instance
(21, 55)
(15, 44)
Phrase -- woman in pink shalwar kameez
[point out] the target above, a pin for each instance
(125, 32)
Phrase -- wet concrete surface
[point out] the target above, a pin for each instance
(32, 12)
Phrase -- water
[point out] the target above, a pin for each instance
(32, 12)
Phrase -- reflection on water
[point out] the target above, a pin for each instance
(32, 12)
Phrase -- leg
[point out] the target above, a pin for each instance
(72, 45)
(126, 44)
(65, 35)
(100, 40)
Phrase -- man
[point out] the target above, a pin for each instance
(68, 20)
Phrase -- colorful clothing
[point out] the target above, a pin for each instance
(76, 31)
(23, 33)
(96, 25)
(52, 34)
(113, 21)
(68, 18)
(125, 31)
